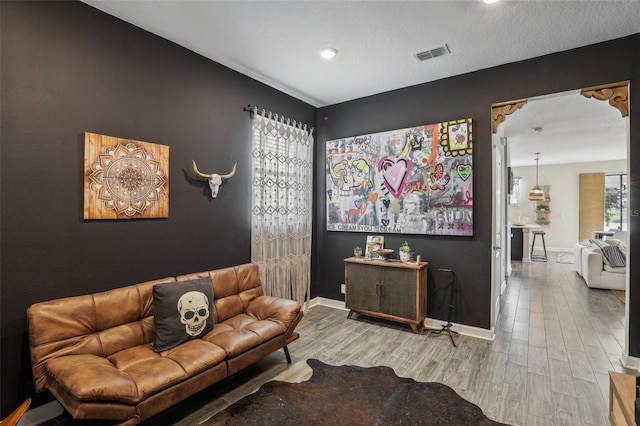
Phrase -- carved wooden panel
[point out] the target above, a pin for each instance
(616, 93)
(500, 111)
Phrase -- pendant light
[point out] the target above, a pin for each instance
(536, 193)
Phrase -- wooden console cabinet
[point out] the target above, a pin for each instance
(391, 290)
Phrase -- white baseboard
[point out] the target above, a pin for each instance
(323, 301)
(560, 250)
(430, 323)
(550, 251)
(41, 414)
(466, 330)
(630, 362)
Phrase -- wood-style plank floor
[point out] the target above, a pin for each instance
(555, 342)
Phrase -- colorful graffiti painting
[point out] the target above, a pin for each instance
(410, 181)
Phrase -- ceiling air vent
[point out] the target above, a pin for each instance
(433, 53)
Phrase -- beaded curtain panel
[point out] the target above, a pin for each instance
(282, 205)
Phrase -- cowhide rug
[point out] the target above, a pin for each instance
(350, 395)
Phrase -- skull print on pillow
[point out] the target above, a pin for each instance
(182, 311)
(194, 311)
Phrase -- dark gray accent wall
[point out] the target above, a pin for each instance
(471, 95)
(67, 69)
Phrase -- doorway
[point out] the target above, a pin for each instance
(572, 133)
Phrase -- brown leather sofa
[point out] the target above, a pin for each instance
(94, 352)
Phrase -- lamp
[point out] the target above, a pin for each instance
(536, 193)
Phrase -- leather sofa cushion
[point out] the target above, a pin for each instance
(97, 324)
(281, 311)
(234, 288)
(241, 333)
(133, 374)
(90, 378)
(266, 318)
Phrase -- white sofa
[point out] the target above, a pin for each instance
(590, 264)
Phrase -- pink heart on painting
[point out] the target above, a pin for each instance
(395, 174)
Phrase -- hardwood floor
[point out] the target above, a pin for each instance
(555, 342)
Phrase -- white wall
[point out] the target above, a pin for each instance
(564, 179)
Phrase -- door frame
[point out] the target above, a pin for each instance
(617, 94)
(499, 228)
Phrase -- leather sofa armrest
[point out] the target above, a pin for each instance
(293, 325)
(285, 312)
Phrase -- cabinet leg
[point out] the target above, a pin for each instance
(415, 328)
(350, 314)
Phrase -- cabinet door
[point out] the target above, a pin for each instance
(362, 287)
(398, 294)
(516, 244)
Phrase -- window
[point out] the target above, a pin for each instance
(615, 202)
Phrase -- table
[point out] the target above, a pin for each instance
(599, 235)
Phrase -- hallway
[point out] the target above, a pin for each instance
(567, 335)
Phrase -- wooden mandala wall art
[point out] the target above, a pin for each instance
(124, 178)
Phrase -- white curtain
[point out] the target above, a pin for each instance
(282, 205)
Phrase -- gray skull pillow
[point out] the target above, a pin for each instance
(182, 311)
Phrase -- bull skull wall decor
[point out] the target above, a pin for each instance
(214, 179)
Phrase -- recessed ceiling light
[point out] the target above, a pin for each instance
(490, 1)
(328, 52)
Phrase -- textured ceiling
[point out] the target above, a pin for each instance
(277, 42)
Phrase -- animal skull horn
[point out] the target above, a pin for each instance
(214, 179)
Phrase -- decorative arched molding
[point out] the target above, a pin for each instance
(500, 111)
(616, 93)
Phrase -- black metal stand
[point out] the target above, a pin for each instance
(448, 325)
